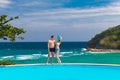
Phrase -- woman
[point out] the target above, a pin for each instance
(57, 47)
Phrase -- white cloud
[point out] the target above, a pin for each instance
(41, 4)
(73, 17)
(33, 3)
(72, 21)
(4, 3)
(67, 13)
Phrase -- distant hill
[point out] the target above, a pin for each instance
(108, 39)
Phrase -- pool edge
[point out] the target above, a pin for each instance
(85, 64)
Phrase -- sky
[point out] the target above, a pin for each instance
(75, 20)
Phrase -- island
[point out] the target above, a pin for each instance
(106, 41)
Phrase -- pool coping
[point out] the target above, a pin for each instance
(82, 64)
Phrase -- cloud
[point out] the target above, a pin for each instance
(74, 17)
(33, 3)
(69, 13)
(71, 21)
(41, 4)
(4, 3)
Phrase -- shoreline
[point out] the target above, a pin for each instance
(103, 50)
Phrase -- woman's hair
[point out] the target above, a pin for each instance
(59, 40)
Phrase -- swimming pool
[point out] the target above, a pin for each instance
(60, 72)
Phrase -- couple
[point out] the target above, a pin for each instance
(53, 48)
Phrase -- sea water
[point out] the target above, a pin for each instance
(71, 52)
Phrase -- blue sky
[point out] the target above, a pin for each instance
(75, 20)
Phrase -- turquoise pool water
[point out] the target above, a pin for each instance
(60, 72)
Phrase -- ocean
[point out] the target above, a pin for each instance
(71, 52)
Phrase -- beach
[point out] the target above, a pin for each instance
(103, 50)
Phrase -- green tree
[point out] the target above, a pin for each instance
(109, 42)
(7, 30)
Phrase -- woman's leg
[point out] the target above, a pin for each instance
(58, 59)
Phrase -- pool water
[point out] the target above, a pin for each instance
(60, 72)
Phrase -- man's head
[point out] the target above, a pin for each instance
(52, 37)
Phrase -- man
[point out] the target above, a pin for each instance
(51, 49)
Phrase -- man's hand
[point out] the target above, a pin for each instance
(48, 50)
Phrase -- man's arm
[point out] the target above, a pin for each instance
(48, 46)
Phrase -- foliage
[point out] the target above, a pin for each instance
(109, 39)
(6, 62)
(7, 30)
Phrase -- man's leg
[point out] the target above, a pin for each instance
(52, 57)
(48, 57)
